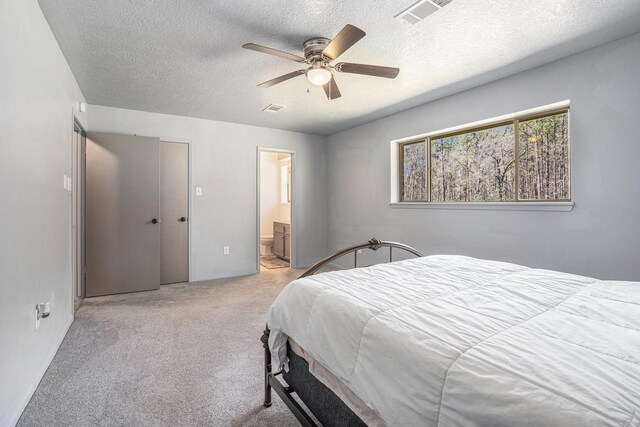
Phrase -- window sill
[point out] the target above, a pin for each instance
(491, 206)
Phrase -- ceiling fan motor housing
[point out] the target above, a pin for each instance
(313, 48)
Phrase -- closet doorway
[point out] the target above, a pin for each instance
(136, 213)
(275, 225)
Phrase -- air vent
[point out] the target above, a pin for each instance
(441, 3)
(420, 10)
(273, 108)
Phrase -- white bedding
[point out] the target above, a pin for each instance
(456, 341)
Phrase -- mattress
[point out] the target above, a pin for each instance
(452, 340)
(326, 377)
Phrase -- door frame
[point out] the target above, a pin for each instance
(189, 198)
(293, 262)
(78, 166)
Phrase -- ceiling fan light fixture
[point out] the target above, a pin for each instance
(318, 75)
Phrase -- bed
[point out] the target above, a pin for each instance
(453, 341)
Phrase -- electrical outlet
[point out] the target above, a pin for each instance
(198, 191)
(42, 310)
(225, 250)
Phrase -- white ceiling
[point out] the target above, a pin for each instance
(185, 57)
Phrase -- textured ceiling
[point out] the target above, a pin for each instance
(185, 57)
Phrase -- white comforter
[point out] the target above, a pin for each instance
(457, 341)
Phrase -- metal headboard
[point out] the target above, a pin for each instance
(373, 244)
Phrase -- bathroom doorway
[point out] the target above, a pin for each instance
(275, 228)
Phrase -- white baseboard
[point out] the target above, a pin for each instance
(13, 419)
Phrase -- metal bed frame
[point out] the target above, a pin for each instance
(285, 392)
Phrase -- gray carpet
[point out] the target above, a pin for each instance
(186, 355)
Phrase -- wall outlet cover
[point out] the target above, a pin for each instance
(225, 250)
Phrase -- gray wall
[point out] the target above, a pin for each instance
(600, 237)
(38, 94)
(224, 165)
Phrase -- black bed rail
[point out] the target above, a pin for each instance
(373, 244)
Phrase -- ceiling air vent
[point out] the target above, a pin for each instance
(420, 10)
(273, 108)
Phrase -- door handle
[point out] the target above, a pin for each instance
(183, 219)
(154, 221)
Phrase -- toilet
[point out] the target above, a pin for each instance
(266, 245)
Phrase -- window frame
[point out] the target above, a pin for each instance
(401, 169)
(514, 120)
(517, 120)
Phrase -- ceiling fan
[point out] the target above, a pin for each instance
(319, 52)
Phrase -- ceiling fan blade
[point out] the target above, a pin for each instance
(346, 38)
(331, 89)
(271, 51)
(369, 70)
(281, 79)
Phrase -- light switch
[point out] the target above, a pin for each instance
(198, 191)
(64, 182)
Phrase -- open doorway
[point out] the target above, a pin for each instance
(274, 209)
(77, 213)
